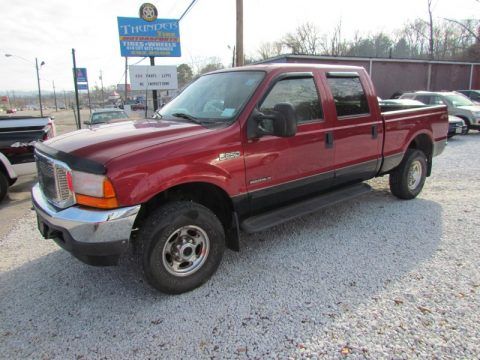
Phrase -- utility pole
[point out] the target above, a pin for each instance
(240, 57)
(79, 124)
(55, 96)
(101, 81)
(39, 90)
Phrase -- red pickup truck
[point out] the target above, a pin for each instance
(239, 149)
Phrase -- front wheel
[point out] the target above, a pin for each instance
(407, 180)
(183, 244)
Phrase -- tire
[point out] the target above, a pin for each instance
(467, 122)
(182, 244)
(407, 180)
(3, 185)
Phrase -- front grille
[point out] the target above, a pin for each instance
(52, 176)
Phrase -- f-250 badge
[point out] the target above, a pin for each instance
(229, 155)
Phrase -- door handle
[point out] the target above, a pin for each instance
(329, 140)
(374, 131)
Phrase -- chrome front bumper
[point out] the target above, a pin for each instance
(88, 234)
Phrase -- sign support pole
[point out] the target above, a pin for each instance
(79, 124)
(154, 92)
(126, 70)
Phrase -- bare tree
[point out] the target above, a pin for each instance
(304, 40)
(270, 49)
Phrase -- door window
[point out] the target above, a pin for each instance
(349, 96)
(301, 93)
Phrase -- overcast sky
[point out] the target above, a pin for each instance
(49, 29)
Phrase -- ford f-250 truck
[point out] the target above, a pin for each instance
(239, 149)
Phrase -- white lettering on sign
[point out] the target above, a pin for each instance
(160, 77)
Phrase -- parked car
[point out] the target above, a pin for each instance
(474, 95)
(239, 149)
(137, 106)
(11, 111)
(106, 116)
(458, 105)
(18, 135)
(456, 126)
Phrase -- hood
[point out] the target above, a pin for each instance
(107, 142)
(472, 108)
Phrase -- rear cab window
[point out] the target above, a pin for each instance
(348, 94)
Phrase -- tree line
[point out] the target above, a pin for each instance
(444, 39)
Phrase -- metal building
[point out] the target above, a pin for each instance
(398, 75)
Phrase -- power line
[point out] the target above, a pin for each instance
(187, 10)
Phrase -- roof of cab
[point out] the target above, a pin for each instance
(290, 66)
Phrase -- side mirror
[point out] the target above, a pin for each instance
(282, 122)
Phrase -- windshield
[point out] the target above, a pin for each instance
(459, 100)
(106, 116)
(217, 96)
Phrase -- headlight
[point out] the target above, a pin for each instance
(94, 190)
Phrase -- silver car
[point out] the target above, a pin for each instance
(458, 105)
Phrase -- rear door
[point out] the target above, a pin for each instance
(358, 127)
(279, 170)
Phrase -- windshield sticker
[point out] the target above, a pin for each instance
(228, 112)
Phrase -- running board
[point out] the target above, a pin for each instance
(283, 214)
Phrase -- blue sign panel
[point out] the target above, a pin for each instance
(82, 75)
(82, 86)
(142, 38)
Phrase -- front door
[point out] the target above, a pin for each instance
(279, 170)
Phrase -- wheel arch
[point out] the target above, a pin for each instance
(207, 194)
(424, 143)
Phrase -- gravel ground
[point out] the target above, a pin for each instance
(372, 278)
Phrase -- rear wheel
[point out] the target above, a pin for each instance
(183, 245)
(3, 185)
(407, 180)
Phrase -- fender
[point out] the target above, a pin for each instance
(8, 168)
(410, 138)
(139, 187)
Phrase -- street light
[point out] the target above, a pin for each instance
(38, 78)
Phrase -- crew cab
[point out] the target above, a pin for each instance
(238, 150)
(18, 135)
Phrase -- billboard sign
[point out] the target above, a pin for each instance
(144, 77)
(82, 86)
(140, 38)
(82, 75)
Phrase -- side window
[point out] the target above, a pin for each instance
(301, 93)
(426, 99)
(437, 100)
(349, 96)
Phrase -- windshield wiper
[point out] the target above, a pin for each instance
(187, 117)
